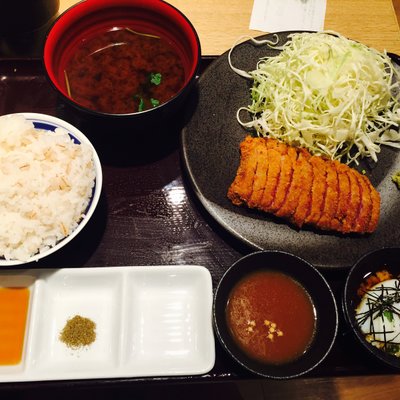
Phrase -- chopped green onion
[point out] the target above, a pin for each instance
(396, 179)
(389, 315)
(155, 102)
(141, 102)
(155, 78)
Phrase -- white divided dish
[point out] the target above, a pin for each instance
(150, 321)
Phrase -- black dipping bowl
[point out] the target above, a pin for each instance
(316, 286)
(385, 258)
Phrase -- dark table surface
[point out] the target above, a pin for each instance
(148, 215)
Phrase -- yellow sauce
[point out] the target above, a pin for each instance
(13, 312)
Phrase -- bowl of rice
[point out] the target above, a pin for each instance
(50, 185)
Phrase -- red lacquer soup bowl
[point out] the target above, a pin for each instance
(122, 59)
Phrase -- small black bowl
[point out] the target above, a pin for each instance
(319, 291)
(367, 265)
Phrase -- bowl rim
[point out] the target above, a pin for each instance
(349, 316)
(76, 133)
(189, 81)
(314, 271)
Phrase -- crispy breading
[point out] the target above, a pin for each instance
(305, 190)
(376, 206)
(241, 189)
(285, 179)
(344, 194)
(296, 188)
(318, 190)
(260, 176)
(353, 209)
(276, 150)
(303, 207)
(364, 216)
(327, 220)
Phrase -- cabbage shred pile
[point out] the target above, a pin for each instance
(335, 97)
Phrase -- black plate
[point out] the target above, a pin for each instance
(210, 148)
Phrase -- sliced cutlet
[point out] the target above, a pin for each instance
(364, 216)
(242, 186)
(318, 189)
(285, 178)
(354, 203)
(327, 220)
(344, 194)
(304, 189)
(304, 201)
(376, 207)
(292, 199)
(276, 150)
(260, 176)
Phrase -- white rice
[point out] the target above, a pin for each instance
(46, 182)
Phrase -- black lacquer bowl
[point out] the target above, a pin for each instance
(372, 262)
(316, 286)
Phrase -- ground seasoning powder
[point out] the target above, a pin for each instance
(78, 332)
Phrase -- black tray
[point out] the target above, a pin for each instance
(148, 215)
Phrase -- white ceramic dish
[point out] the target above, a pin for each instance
(50, 123)
(150, 321)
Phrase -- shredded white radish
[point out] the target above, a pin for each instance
(329, 94)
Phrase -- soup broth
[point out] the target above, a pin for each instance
(123, 71)
(271, 317)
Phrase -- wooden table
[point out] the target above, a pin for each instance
(220, 22)
(135, 214)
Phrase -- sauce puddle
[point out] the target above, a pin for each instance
(271, 317)
(13, 314)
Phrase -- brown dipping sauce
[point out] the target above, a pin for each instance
(120, 71)
(271, 317)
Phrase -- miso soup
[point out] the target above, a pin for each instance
(122, 71)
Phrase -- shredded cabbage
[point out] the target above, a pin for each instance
(329, 94)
